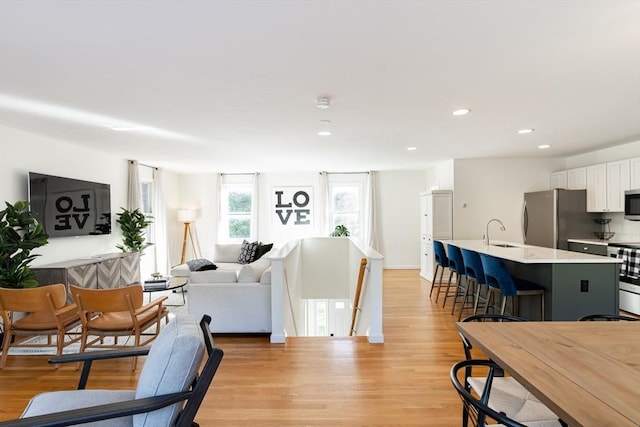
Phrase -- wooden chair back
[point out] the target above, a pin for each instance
(127, 298)
(43, 299)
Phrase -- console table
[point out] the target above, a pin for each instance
(98, 272)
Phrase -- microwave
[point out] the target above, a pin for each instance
(632, 205)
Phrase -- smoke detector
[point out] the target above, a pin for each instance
(322, 103)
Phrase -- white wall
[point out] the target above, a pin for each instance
(494, 188)
(397, 202)
(23, 152)
(441, 176)
(610, 154)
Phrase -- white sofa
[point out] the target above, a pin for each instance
(236, 296)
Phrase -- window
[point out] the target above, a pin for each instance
(237, 206)
(347, 202)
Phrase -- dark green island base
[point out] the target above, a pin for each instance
(576, 284)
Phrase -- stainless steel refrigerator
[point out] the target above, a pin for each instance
(551, 217)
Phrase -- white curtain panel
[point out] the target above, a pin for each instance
(160, 223)
(370, 215)
(133, 193)
(255, 206)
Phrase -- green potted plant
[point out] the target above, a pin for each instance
(340, 230)
(20, 233)
(133, 225)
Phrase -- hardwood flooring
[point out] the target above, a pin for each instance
(307, 381)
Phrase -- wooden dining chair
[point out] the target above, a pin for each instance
(47, 314)
(607, 318)
(118, 312)
(507, 396)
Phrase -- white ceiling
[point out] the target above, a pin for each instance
(231, 86)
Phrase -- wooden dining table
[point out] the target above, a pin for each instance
(588, 373)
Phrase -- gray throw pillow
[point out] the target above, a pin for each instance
(196, 264)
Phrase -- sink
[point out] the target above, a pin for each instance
(504, 245)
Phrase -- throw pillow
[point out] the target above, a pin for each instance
(262, 249)
(195, 264)
(208, 267)
(247, 252)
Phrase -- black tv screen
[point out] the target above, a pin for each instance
(70, 207)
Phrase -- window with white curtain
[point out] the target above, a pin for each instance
(347, 201)
(237, 205)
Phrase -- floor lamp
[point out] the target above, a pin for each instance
(187, 216)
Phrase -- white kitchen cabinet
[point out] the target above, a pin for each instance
(577, 179)
(606, 184)
(558, 179)
(617, 184)
(634, 173)
(436, 223)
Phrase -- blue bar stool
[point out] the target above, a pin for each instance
(442, 262)
(498, 275)
(475, 279)
(456, 266)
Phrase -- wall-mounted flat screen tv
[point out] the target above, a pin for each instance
(70, 207)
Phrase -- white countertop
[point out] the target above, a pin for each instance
(603, 242)
(528, 254)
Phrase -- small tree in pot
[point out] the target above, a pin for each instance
(20, 233)
(133, 225)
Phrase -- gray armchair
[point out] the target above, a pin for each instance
(169, 391)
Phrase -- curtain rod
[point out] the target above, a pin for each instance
(239, 173)
(345, 173)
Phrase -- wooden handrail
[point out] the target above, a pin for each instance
(356, 299)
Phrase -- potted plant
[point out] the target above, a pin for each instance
(133, 225)
(20, 233)
(340, 230)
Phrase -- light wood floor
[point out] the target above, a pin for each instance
(307, 381)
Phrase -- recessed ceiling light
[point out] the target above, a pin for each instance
(412, 148)
(525, 131)
(461, 112)
(544, 146)
(325, 128)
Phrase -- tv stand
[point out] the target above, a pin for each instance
(98, 272)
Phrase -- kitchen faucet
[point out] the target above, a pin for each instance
(485, 238)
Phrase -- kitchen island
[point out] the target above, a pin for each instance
(576, 284)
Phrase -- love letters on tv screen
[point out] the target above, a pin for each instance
(70, 207)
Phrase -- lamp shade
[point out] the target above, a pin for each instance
(186, 215)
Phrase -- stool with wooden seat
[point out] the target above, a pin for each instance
(442, 262)
(498, 275)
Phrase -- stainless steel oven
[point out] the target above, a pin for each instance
(629, 287)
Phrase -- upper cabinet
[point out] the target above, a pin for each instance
(634, 172)
(572, 179)
(559, 179)
(606, 184)
(577, 179)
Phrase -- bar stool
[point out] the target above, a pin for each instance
(498, 275)
(475, 278)
(456, 266)
(442, 262)
(494, 297)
